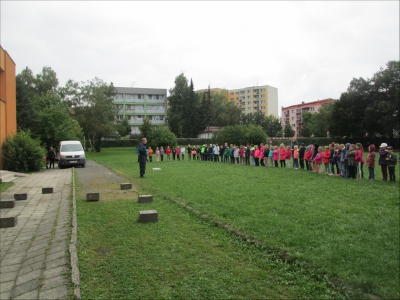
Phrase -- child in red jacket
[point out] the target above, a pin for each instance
(325, 159)
(318, 160)
(307, 158)
(359, 160)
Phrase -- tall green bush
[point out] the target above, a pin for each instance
(240, 135)
(23, 153)
(161, 136)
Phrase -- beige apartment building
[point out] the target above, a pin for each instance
(257, 98)
(252, 99)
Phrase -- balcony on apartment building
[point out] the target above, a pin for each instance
(155, 100)
(286, 114)
(140, 121)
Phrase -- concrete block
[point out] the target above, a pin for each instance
(145, 198)
(7, 203)
(47, 190)
(93, 196)
(20, 196)
(8, 222)
(126, 186)
(148, 216)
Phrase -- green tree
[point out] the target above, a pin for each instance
(248, 119)
(54, 121)
(318, 123)
(25, 91)
(177, 100)
(382, 114)
(190, 113)
(41, 110)
(231, 113)
(305, 130)
(369, 106)
(289, 132)
(255, 135)
(321, 119)
(230, 134)
(46, 82)
(272, 125)
(146, 129)
(91, 104)
(28, 88)
(123, 127)
(206, 110)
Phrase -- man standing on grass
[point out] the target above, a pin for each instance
(142, 157)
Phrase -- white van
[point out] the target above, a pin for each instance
(71, 153)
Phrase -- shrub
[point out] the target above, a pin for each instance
(161, 136)
(240, 135)
(23, 153)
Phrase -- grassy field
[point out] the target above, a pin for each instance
(330, 230)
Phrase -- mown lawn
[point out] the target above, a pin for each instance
(346, 229)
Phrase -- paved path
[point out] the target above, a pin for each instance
(34, 261)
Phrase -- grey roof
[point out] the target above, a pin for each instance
(133, 90)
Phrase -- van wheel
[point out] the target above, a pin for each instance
(60, 166)
(83, 165)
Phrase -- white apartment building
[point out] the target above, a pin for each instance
(137, 103)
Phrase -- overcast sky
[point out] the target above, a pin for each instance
(308, 50)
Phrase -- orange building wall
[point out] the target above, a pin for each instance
(8, 99)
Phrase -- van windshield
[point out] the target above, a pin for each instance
(71, 147)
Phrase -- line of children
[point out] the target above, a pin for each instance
(348, 158)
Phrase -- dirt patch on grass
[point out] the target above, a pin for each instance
(95, 178)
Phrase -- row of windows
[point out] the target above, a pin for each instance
(139, 107)
(248, 97)
(299, 110)
(254, 102)
(248, 91)
(139, 118)
(297, 118)
(255, 108)
(138, 96)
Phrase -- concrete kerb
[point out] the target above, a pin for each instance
(73, 245)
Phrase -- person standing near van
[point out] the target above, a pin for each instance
(142, 157)
(51, 155)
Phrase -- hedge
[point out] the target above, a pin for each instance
(323, 141)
